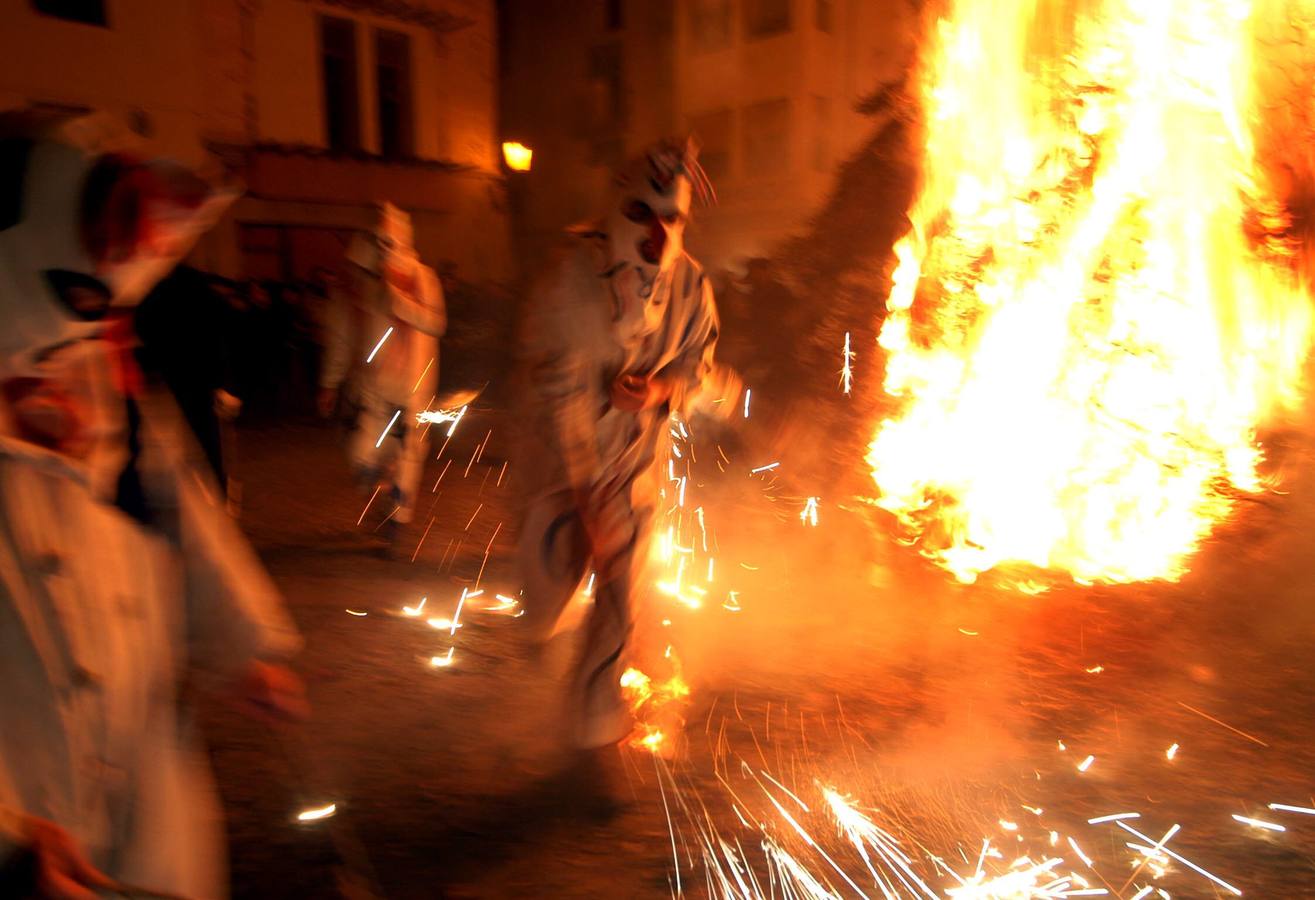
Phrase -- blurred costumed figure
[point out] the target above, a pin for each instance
(618, 336)
(121, 578)
(384, 330)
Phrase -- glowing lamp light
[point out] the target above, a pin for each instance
(518, 156)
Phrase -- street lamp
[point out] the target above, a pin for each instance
(517, 155)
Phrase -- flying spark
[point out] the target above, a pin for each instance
(428, 366)
(1187, 862)
(313, 815)
(369, 359)
(1283, 807)
(846, 371)
(379, 443)
(1113, 818)
(1258, 823)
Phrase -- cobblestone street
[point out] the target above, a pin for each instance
(955, 714)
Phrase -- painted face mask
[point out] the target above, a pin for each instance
(159, 209)
(645, 232)
(387, 253)
(83, 232)
(391, 238)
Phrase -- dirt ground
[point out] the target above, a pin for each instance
(949, 714)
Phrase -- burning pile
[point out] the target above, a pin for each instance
(1096, 307)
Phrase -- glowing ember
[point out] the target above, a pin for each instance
(1095, 309)
(636, 685)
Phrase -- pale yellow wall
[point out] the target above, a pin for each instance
(426, 67)
(454, 88)
(221, 33)
(286, 73)
(870, 42)
(148, 60)
(248, 71)
(468, 89)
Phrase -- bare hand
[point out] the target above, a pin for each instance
(273, 693)
(62, 871)
(633, 393)
(718, 396)
(227, 406)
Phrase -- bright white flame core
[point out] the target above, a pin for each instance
(1084, 330)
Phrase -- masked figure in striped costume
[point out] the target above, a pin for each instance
(618, 336)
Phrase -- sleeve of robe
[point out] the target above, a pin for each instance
(235, 612)
(426, 311)
(558, 373)
(694, 372)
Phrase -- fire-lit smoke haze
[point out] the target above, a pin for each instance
(1096, 308)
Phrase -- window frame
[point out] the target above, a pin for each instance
(354, 139)
(699, 13)
(760, 24)
(406, 138)
(100, 19)
(824, 16)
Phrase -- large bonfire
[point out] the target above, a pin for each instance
(1095, 309)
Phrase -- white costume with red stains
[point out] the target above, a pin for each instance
(119, 571)
(618, 336)
(391, 289)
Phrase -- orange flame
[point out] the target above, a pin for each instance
(652, 704)
(1084, 330)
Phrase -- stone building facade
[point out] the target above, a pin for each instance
(321, 107)
(770, 88)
